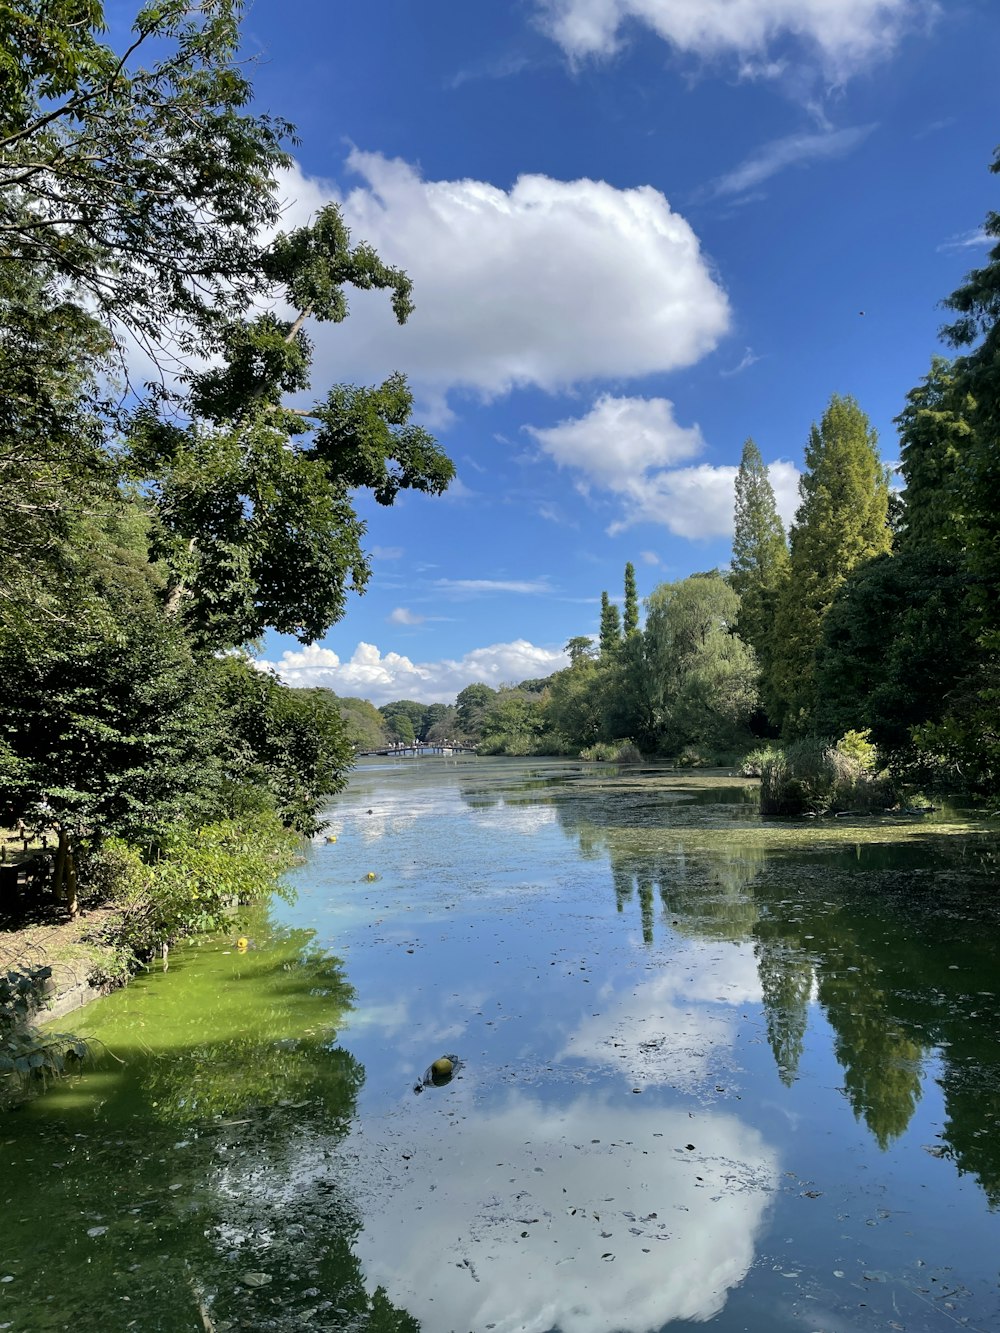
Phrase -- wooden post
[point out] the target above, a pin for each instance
(59, 874)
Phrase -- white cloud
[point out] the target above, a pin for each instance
(393, 676)
(595, 1217)
(620, 437)
(547, 284)
(474, 587)
(402, 616)
(626, 447)
(967, 240)
(794, 150)
(650, 558)
(749, 358)
(387, 552)
(843, 34)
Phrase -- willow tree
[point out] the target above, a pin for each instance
(840, 524)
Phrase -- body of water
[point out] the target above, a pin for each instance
(709, 1069)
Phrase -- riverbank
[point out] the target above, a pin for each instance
(82, 969)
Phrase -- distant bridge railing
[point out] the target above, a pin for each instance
(417, 750)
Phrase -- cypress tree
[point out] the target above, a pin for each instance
(840, 524)
(631, 617)
(611, 627)
(760, 557)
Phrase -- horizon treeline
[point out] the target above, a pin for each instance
(878, 612)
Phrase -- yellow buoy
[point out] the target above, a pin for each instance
(442, 1066)
(370, 875)
(330, 838)
(242, 943)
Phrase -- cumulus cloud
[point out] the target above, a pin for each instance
(843, 35)
(620, 436)
(603, 1190)
(627, 447)
(381, 678)
(547, 283)
(794, 150)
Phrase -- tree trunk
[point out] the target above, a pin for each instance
(72, 906)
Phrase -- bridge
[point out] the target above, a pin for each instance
(418, 749)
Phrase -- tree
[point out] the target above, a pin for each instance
(759, 566)
(254, 499)
(977, 379)
(138, 191)
(630, 617)
(137, 178)
(513, 723)
(935, 435)
(470, 709)
(611, 627)
(365, 725)
(894, 645)
(840, 524)
(697, 676)
(581, 649)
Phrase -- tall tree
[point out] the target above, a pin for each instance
(935, 436)
(630, 617)
(760, 557)
(840, 524)
(977, 373)
(611, 627)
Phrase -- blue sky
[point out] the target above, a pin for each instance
(639, 231)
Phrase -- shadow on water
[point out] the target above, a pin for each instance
(186, 1181)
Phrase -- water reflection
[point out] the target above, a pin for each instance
(174, 1195)
(584, 1218)
(855, 930)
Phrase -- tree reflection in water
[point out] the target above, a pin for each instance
(232, 1211)
(855, 928)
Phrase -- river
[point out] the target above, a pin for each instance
(710, 1068)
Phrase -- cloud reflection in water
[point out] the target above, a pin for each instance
(588, 1218)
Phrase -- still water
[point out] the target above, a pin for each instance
(713, 1069)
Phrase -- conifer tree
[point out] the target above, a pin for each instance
(977, 374)
(631, 615)
(840, 524)
(611, 627)
(934, 435)
(760, 556)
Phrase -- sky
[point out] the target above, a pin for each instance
(639, 232)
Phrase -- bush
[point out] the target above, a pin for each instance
(188, 885)
(613, 752)
(812, 776)
(752, 764)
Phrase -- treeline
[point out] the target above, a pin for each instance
(157, 522)
(865, 639)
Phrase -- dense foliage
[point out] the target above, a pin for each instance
(152, 532)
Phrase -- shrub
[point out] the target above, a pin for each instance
(613, 752)
(752, 764)
(812, 776)
(189, 884)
